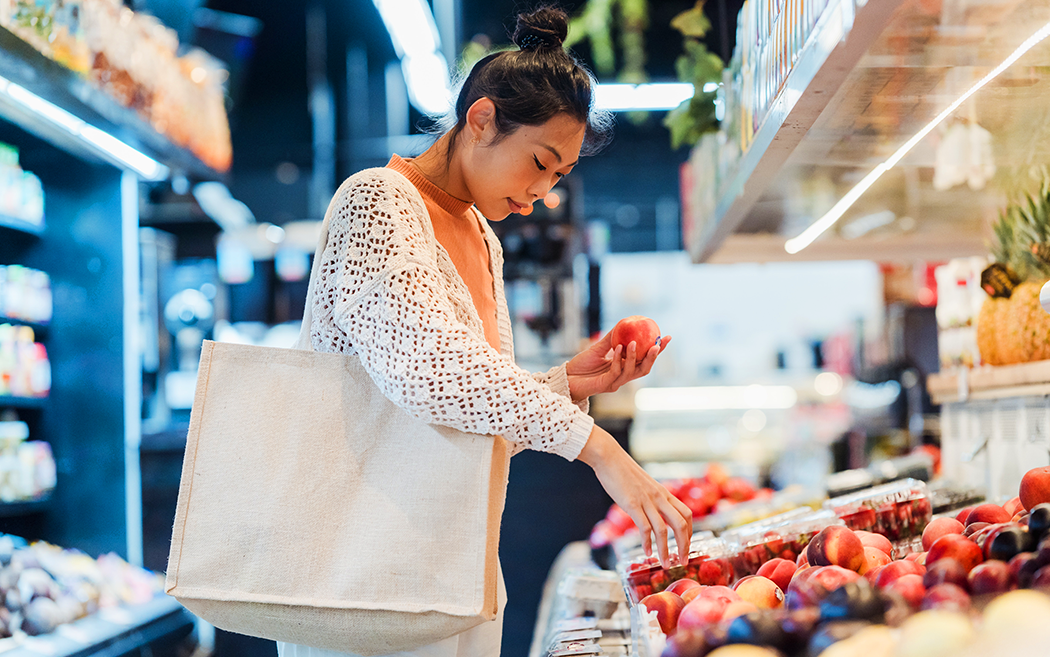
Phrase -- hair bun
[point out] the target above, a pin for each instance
(546, 27)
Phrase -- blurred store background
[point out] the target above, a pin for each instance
(165, 165)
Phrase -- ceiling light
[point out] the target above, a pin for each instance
(411, 26)
(426, 77)
(712, 398)
(642, 97)
(103, 143)
(828, 384)
(796, 244)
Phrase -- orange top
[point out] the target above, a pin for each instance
(458, 229)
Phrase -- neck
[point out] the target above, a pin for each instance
(446, 173)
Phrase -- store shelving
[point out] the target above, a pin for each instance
(24, 507)
(847, 106)
(28, 403)
(21, 225)
(22, 68)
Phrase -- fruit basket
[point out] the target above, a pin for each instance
(783, 536)
(707, 564)
(898, 510)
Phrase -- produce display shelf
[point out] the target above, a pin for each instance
(573, 555)
(990, 382)
(21, 225)
(38, 329)
(109, 633)
(839, 40)
(7, 401)
(23, 68)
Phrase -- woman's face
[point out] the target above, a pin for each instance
(522, 167)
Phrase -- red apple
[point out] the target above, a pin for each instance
(991, 513)
(910, 587)
(946, 596)
(957, 547)
(836, 546)
(871, 539)
(638, 329)
(667, 606)
(779, 570)
(760, 591)
(938, 528)
(701, 612)
(873, 558)
(679, 587)
(897, 569)
(992, 576)
(1035, 487)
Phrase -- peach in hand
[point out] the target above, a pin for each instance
(638, 329)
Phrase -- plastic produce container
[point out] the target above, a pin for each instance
(898, 510)
(707, 564)
(784, 536)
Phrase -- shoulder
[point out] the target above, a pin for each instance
(370, 188)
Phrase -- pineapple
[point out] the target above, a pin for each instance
(1012, 326)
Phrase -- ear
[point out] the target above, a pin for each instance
(481, 120)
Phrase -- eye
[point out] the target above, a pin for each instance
(538, 165)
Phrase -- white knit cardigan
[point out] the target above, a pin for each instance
(389, 292)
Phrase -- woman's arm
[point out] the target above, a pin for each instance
(649, 504)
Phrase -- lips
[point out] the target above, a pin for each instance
(515, 207)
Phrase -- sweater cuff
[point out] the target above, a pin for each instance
(579, 431)
(557, 379)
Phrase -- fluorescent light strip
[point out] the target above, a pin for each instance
(796, 244)
(115, 149)
(643, 97)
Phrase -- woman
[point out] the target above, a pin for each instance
(411, 282)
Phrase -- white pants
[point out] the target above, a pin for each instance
(479, 641)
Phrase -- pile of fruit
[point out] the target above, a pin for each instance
(43, 586)
(846, 584)
(715, 491)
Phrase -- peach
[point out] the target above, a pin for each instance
(917, 557)
(963, 513)
(682, 585)
(1014, 506)
(975, 528)
(897, 569)
(873, 558)
(836, 546)
(910, 588)
(668, 606)
(690, 594)
(701, 613)
(871, 539)
(718, 592)
(957, 547)
(832, 577)
(992, 576)
(938, 528)
(801, 559)
(779, 570)
(1035, 487)
(945, 571)
(638, 329)
(990, 513)
(738, 608)
(873, 574)
(946, 596)
(760, 591)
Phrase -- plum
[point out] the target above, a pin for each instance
(1006, 542)
(1023, 568)
(945, 570)
(990, 577)
(833, 632)
(1039, 520)
(757, 628)
(857, 600)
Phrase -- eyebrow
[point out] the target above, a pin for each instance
(557, 154)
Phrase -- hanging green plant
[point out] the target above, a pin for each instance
(697, 65)
(595, 25)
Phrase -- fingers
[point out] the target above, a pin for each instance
(659, 527)
(680, 519)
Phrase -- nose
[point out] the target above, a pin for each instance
(542, 186)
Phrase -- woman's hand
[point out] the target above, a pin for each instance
(652, 508)
(601, 368)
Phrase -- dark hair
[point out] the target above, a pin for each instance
(538, 81)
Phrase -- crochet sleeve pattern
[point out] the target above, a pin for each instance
(386, 294)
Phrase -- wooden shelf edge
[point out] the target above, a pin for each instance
(991, 382)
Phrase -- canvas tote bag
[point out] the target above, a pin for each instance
(313, 510)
